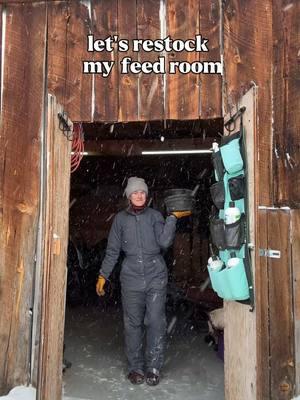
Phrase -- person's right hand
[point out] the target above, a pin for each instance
(181, 214)
(100, 285)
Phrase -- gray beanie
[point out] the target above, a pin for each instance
(134, 184)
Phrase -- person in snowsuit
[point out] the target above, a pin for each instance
(141, 232)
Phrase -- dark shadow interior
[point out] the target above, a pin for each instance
(96, 196)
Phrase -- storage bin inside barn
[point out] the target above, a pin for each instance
(113, 153)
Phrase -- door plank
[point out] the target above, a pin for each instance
(105, 23)
(280, 307)
(20, 184)
(56, 226)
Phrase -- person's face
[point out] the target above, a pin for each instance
(138, 198)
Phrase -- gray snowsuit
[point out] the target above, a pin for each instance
(141, 235)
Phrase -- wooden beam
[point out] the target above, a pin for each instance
(282, 368)
(54, 265)
(286, 88)
(247, 54)
(135, 147)
(210, 84)
(128, 83)
(105, 23)
(262, 310)
(151, 90)
(21, 123)
(68, 27)
(295, 242)
(183, 91)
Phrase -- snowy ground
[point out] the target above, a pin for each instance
(21, 393)
(94, 345)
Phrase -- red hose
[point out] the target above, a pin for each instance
(77, 146)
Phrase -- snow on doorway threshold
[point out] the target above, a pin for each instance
(28, 393)
(21, 393)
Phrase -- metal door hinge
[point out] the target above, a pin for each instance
(269, 253)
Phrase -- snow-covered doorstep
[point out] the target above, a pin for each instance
(21, 393)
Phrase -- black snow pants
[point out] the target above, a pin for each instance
(144, 312)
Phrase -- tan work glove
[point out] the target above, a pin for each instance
(100, 285)
(180, 214)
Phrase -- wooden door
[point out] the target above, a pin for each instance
(55, 226)
(276, 282)
(240, 329)
(281, 321)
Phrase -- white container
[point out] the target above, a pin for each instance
(215, 147)
(233, 261)
(216, 265)
(232, 214)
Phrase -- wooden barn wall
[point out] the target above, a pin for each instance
(247, 56)
(295, 256)
(132, 97)
(23, 83)
(286, 91)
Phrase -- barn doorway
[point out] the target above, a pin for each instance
(51, 298)
(94, 329)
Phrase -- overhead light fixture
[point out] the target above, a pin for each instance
(82, 153)
(156, 152)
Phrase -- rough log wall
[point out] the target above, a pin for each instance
(21, 121)
(286, 91)
(129, 97)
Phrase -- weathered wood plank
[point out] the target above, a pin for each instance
(280, 179)
(151, 89)
(282, 370)
(68, 27)
(247, 55)
(128, 83)
(240, 344)
(295, 242)
(182, 90)
(79, 85)
(58, 15)
(262, 310)
(291, 28)
(19, 184)
(56, 228)
(210, 85)
(105, 23)
(0, 51)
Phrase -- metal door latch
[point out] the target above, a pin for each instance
(269, 253)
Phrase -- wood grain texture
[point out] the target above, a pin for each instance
(68, 27)
(280, 178)
(55, 226)
(183, 91)
(105, 23)
(128, 83)
(262, 309)
(240, 358)
(58, 15)
(1, 8)
(23, 82)
(240, 339)
(247, 55)
(286, 42)
(210, 85)
(151, 86)
(295, 242)
(282, 370)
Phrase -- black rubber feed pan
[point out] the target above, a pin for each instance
(179, 200)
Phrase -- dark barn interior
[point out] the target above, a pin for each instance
(96, 195)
